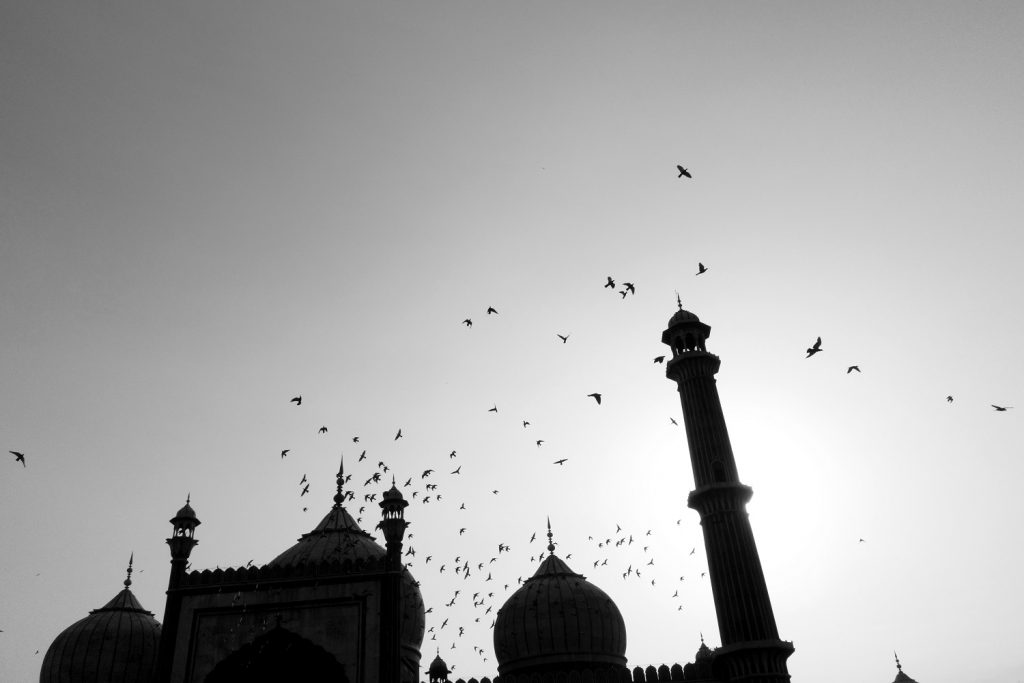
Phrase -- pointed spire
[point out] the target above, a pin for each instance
(679, 301)
(551, 544)
(339, 497)
(188, 498)
(898, 667)
(701, 637)
(128, 578)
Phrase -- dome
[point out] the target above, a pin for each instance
(116, 643)
(683, 316)
(558, 620)
(438, 669)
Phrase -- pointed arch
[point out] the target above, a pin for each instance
(278, 655)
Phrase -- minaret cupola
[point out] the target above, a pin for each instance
(182, 541)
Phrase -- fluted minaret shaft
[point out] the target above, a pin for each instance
(751, 650)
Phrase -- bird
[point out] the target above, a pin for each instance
(285, 452)
(563, 337)
(494, 409)
(495, 491)
(426, 473)
(693, 550)
(701, 269)
(323, 430)
(467, 322)
(659, 359)
(539, 442)
(861, 541)
(408, 482)
(610, 283)
(949, 399)
(560, 462)
(303, 480)
(852, 368)
(462, 531)
(673, 421)
(362, 456)
(596, 397)
(814, 349)
(630, 287)
(398, 435)
(682, 172)
(451, 455)
(526, 423)
(18, 457)
(305, 490)
(490, 310)
(355, 439)
(457, 470)
(297, 400)
(1000, 409)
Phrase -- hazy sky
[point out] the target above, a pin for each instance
(208, 208)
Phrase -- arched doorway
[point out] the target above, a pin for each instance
(278, 655)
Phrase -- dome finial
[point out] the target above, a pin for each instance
(339, 497)
(188, 498)
(679, 301)
(551, 544)
(128, 578)
(898, 667)
(701, 637)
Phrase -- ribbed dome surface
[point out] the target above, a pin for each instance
(336, 538)
(558, 619)
(116, 643)
(682, 316)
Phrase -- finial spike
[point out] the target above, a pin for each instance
(339, 497)
(551, 543)
(188, 498)
(898, 667)
(701, 637)
(679, 301)
(128, 578)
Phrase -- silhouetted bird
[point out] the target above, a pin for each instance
(949, 399)
(561, 462)
(526, 424)
(285, 452)
(1001, 409)
(701, 269)
(303, 480)
(426, 473)
(490, 310)
(362, 456)
(861, 541)
(451, 455)
(673, 421)
(323, 430)
(457, 470)
(539, 442)
(596, 397)
(659, 359)
(814, 349)
(305, 490)
(467, 322)
(398, 435)
(494, 409)
(851, 369)
(355, 439)
(18, 457)
(623, 293)
(610, 283)
(297, 400)
(564, 338)
(630, 287)
(682, 172)
(495, 491)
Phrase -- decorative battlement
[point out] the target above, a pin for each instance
(233, 575)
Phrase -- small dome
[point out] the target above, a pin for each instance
(683, 316)
(116, 643)
(438, 669)
(558, 620)
(393, 493)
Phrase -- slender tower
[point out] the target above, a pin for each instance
(751, 649)
(182, 541)
(393, 525)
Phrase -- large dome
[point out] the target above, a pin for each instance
(558, 620)
(116, 643)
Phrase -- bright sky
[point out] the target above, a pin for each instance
(209, 208)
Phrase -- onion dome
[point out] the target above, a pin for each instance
(683, 316)
(116, 643)
(701, 666)
(186, 513)
(558, 621)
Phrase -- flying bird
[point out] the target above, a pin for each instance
(426, 473)
(451, 455)
(494, 409)
(297, 400)
(682, 172)
(305, 490)
(560, 462)
(303, 480)
(673, 421)
(467, 322)
(18, 457)
(457, 470)
(610, 283)
(659, 359)
(398, 435)
(852, 368)
(539, 442)
(285, 452)
(323, 430)
(362, 456)
(949, 399)
(1001, 409)
(564, 338)
(630, 287)
(490, 309)
(814, 349)
(596, 397)
(355, 439)
(526, 423)
(701, 269)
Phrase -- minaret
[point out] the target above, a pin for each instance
(393, 524)
(182, 541)
(751, 649)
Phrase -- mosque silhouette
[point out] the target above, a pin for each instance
(337, 607)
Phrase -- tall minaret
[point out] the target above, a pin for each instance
(751, 649)
(182, 541)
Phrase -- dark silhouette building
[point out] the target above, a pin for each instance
(338, 607)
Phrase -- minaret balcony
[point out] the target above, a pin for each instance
(716, 498)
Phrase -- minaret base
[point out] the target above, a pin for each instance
(757, 661)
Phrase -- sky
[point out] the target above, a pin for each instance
(209, 208)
